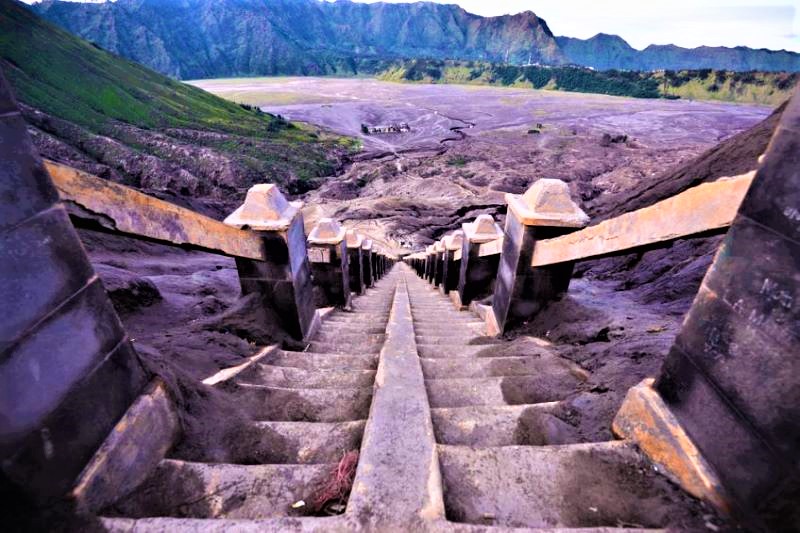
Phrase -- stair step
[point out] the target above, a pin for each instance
(461, 367)
(320, 361)
(339, 337)
(289, 377)
(482, 426)
(344, 347)
(355, 318)
(434, 351)
(298, 405)
(476, 328)
(200, 490)
(580, 485)
(269, 442)
(459, 337)
(310, 442)
(511, 390)
(355, 328)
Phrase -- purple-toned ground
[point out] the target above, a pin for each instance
(342, 105)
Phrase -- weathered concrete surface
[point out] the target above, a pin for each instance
(63, 351)
(186, 489)
(706, 208)
(554, 486)
(731, 378)
(398, 480)
(647, 421)
(120, 209)
(547, 203)
(135, 446)
(264, 209)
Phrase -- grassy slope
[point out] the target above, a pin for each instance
(744, 87)
(752, 88)
(72, 79)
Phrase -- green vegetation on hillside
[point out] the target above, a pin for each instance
(74, 80)
(744, 87)
(771, 88)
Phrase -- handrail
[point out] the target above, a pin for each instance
(123, 210)
(709, 207)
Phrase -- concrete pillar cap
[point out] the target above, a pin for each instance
(367, 244)
(264, 209)
(354, 240)
(484, 229)
(454, 240)
(327, 231)
(547, 203)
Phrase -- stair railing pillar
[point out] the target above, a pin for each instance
(480, 256)
(429, 263)
(283, 277)
(450, 265)
(375, 263)
(68, 370)
(366, 263)
(438, 249)
(355, 244)
(723, 417)
(327, 253)
(545, 211)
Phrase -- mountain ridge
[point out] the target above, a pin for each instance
(225, 38)
(607, 51)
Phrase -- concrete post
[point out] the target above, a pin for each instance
(732, 378)
(355, 243)
(438, 250)
(68, 371)
(480, 256)
(283, 278)
(453, 244)
(543, 212)
(366, 263)
(429, 263)
(327, 252)
(375, 269)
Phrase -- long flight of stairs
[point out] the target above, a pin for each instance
(502, 457)
(505, 458)
(310, 408)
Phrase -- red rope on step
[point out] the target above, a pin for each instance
(338, 486)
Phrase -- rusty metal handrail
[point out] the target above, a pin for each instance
(101, 204)
(707, 208)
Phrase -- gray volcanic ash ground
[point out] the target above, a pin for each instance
(470, 144)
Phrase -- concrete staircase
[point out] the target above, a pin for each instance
(310, 408)
(505, 459)
(486, 451)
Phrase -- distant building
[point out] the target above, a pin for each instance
(390, 128)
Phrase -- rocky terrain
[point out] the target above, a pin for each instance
(124, 122)
(212, 39)
(468, 146)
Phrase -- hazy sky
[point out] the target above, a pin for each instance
(773, 24)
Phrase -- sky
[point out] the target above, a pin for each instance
(773, 24)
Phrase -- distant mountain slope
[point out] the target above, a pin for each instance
(217, 38)
(121, 120)
(605, 52)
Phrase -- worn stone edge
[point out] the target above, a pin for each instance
(138, 442)
(646, 420)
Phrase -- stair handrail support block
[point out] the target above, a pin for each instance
(545, 211)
